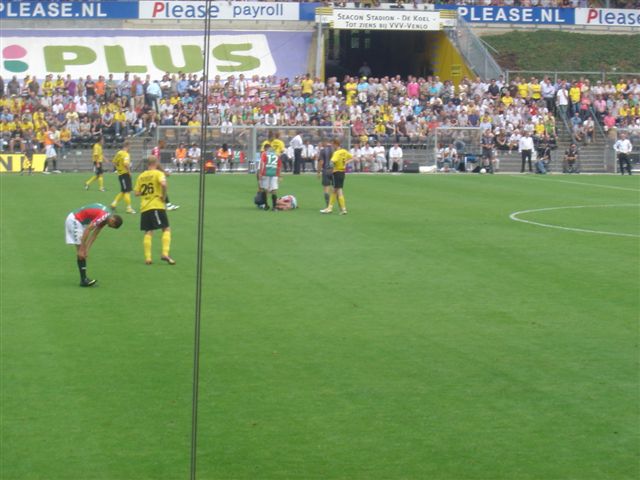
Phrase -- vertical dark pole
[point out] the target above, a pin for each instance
(200, 236)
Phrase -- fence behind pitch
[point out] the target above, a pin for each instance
(247, 139)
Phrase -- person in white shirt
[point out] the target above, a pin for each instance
(449, 158)
(356, 157)
(562, 99)
(296, 143)
(366, 157)
(379, 157)
(395, 158)
(287, 161)
(193, 157)
(226, 128)
(623, 148)
(308, 156)
(525, 147)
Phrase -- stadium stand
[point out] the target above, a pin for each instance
(389, 109)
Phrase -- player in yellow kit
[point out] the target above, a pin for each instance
(339, 161)
(122, 164)
(98, 158)
(151, 185)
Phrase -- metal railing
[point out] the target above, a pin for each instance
(473, 50)
(560, 75)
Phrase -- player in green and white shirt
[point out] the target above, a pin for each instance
(269, 173)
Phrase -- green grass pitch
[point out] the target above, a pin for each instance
(426, 335)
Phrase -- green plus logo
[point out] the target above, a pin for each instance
(11, 54)
(118, 60)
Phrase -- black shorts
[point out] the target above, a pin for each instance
(97, 169)
(125, 182)
(327, 179)
(153, 220)
(338, 179)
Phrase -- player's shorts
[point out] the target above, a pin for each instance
(338, 179)
(50, 151)
(97, 170)
(154, 220)
(125, 182)
(269, 184)
(327, 179)
(73, 230)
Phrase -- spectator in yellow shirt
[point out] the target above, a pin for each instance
(507, 99)
(120, 122)
(536, 89)
(574, 95)
(307, 86)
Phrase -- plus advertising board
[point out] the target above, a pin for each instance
(609, 17)
(190, 10)
(526, 15)
(153, 52)
(365, 19)
(67, 10)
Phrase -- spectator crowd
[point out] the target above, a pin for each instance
(388, 109)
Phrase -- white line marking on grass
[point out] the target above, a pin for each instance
(514, 216)
(598, 185)
(587, 184)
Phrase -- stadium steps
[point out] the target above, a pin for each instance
(592, 157)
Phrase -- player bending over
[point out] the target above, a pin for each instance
(82, 227)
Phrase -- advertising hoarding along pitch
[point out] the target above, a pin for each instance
(528, 15)
(190, 10)
(610, 17)
(68, 10)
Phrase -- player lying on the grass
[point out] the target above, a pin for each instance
(288, 202)
(82, 227)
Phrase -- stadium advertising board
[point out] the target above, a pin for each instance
(68, 10)
(189, 10)
(610, 17)
(153, 52)
(527, 15)
(14, 162)
(365, 19)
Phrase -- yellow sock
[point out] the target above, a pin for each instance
(342, 203)
(91, 180)
(146, 243)
(101, 182)
(117, 199)
(332, 200)
(166, 243)
(127, 199)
